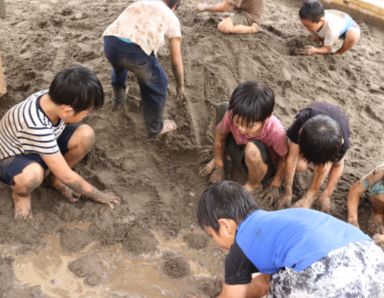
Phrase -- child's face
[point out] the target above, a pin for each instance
(222, 238)
(312, 26)
(249, 130)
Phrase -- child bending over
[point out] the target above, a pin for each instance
(306, 253)
(254, 139)
(373, 182)
(42, 132)
(320, 136)
(327, 26)
(246, 16)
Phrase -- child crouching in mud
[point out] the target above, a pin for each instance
(327, 26)
(254, 139)
(306, 253)
(373, 182)
(42, 132)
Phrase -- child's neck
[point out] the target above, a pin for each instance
(49, 108)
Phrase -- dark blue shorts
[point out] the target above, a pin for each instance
(12, 166)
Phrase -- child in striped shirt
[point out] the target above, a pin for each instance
(42, 132)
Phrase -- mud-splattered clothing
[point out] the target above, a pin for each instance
(146, 23)
(336, 25)
(306, 251)
(374, 181)
(252, 9)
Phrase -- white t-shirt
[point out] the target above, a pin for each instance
(336, 23)
(146, 23)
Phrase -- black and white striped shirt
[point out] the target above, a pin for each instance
(26, 129)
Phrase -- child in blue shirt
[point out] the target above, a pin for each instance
(327, 26)
(307, 253)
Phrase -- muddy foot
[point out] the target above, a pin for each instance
(168, 126)
(207, 169)
(22, 214)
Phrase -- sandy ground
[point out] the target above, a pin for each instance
(150, 245)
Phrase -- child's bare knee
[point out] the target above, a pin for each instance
(252, 153)
(84, 136)
(29, 179)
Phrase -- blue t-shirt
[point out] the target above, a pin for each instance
(292, 238)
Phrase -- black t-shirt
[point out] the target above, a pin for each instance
(238, 268)
(321, 108)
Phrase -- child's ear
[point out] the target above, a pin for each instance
(227, 226)
(66, 109)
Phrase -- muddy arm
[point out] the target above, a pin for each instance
(177, 64)
(354, 195)
(60, 168)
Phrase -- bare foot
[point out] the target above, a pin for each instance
(67, 192)
(22, 208)
(168, 126)
(207, 169)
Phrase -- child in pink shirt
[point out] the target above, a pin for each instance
(255, 140)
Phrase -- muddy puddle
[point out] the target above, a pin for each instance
(106, 271)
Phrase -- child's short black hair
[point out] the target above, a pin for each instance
(77, 87)
(320, 140)
(252, 101)
(173, 3)
(224, 200)
(312, 10)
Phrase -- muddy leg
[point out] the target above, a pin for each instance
(24, 184)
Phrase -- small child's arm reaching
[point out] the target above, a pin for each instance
(215, 168)
(311, 50)
(357, 190)
(290, 169)
(60, 169)
(354, 195)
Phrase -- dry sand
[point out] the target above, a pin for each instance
(150, 245)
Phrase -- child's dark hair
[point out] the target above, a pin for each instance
(224, 200)
(320, 140)
(312, 10)
(77, 87)
(173, 3)
(252, 101)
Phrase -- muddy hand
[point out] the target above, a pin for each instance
(284, 201)
(354, 221)
(302, 203)
(109, 199)
(217, 175)
(307, 51)
(271, 194)
(325, 204)
(207, 169)
(180, 96)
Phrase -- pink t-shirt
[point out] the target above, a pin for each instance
(273, 135)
